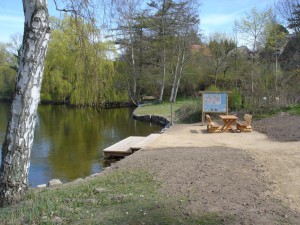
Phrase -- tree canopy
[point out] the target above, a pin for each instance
(78, 68)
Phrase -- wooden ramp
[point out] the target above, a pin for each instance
(143, 143)
(128, 146)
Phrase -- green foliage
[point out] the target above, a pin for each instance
(77, 68)
(7, 73)
(187, 110)
(235, 100)
(190, 112)
(220, 45)
(265, 112)
(294, 109)
(276, 36)
(212, 88)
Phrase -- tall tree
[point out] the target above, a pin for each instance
(20, 131)
(252, 27)
(185, 19)
(220, 45)
(294, 21)
(289, 10)
(129, 31)
(76, 66)
(162, 25)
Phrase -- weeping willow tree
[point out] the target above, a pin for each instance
(78, 67)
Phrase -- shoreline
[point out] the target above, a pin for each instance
(160, 120)
(147, 118)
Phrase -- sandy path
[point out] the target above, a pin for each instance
(281, 159)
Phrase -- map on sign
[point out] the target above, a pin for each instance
(215, 102)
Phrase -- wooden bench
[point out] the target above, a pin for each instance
(244, 126)
(148, 98)
(212, 127)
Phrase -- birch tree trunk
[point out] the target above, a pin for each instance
(163, 23)
(20, 130)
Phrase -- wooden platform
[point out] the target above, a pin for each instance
(144, 142)
(128, 146)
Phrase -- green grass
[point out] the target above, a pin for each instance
(123, 197)
(164, 109)
(294, 110)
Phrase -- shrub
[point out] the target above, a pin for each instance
(235, 100)
(189, 113)
(212, 88)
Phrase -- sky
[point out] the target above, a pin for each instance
(215, 15)
(219, 15)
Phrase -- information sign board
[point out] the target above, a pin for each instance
(215, 102)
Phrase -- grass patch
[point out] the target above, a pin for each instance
(122, 197)
(294, 110)
(182, 110)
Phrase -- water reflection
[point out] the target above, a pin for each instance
(68, 142)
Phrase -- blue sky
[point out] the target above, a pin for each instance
(215, 15)
(219, 15)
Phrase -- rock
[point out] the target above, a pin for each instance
(99, 190)
(93, 175)
(54, 182)
(78, 180)
(41, 186)
(57, 220)
(117, 198)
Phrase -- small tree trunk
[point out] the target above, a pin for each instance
(20, 130)
(163, 81)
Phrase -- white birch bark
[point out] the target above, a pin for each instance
(20, 131)
(163, 80)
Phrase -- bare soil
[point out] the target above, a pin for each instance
(252, 178)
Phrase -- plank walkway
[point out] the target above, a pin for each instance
(128, 145)
(143, 143)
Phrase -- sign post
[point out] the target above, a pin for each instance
(214, 102)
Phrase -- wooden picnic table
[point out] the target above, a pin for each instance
(228, 121)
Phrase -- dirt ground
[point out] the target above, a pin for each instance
(253, 178)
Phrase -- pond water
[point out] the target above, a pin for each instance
(68, 142)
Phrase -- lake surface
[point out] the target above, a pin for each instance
(68, 142)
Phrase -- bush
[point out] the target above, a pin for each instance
(235, 100)
(212, 88)
(190, 112)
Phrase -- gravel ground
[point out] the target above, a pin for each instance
(282, 127)
(254, 181)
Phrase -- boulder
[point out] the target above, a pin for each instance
(41, 186)
(54, 182)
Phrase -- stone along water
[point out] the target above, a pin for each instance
(68, 142)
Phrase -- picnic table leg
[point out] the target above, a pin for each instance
(227, 125)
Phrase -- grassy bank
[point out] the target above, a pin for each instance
(189, 110)
(183, 111)
(122, 197)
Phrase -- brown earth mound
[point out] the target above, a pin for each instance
(282, 127)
